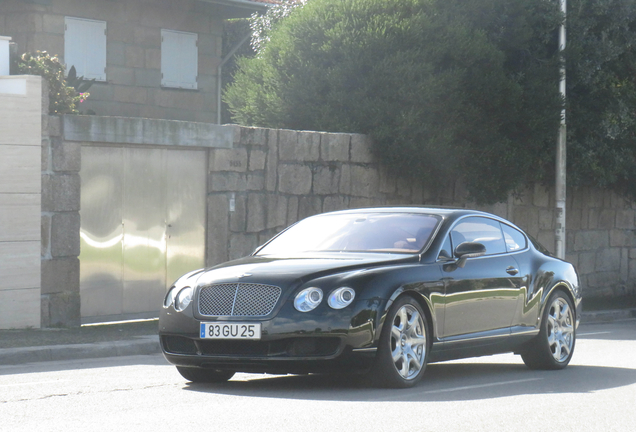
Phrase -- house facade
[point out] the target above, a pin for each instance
(150, 58)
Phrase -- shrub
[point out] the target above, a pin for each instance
(63, 98)
(449, 90)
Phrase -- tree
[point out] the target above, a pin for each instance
(259, 25)
(455, 90)
(262, 25)
(601, 74)
(448, 89)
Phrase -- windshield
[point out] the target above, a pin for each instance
(358, 232)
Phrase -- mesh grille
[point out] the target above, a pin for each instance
(179, 345)
(238, 299)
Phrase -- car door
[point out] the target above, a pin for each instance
(482, 296)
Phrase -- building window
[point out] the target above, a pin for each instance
(179, 59)
(85, 47)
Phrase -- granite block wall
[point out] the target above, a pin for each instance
(273, 178)
(61, 162)
(261, 180)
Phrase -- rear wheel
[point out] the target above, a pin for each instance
(403, 347)
(553, 347)
(199, 375)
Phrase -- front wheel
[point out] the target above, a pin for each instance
(553, 347)
(199, 375)
(403, 347)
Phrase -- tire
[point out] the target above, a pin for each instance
(199, 375)
(553, 347)
(403, 348)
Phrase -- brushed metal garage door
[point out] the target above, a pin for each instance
(143, 219)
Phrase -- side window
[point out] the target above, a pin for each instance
(515, 240)
(179, 59)
(481, 230)
(85, 47)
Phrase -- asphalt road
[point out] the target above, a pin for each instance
(597, 392)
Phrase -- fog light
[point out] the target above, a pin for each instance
(183, 299)
(308, 299)
(341, 298)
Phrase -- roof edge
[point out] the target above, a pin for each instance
(255, 5)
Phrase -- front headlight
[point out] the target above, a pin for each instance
(341, 298)
(169, 300)
(183, 298)
(308, 299)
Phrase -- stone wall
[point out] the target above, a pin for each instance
(262, 180)
(600, 227)
(273, 178)
(61, 162)
(20, 195)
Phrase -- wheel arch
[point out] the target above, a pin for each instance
(422, 300)
(564, 288)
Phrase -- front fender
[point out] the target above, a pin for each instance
(377, 289)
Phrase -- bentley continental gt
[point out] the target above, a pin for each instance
(378, 291)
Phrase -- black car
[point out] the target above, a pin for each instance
(382, 291)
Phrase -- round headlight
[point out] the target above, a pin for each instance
(308, 299)
(169, 300)
(341, 298)
(183, 299)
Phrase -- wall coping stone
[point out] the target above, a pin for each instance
(130, 130)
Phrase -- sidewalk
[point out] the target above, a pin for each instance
(95, 341)
(136, 338)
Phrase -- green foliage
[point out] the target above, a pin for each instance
(259, 26)
(449, 90)
(63, 97)
(80, 84)
(601, 94)
(234, 31)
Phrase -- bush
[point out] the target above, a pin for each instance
(63, 98)
(449, 90)
(601, 94)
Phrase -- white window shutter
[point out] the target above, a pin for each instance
(95, 51)
(179, 59)
(85, 47)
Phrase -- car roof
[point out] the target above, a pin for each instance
(441, 211)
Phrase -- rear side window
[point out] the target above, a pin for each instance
(515, 240)
(480, 230)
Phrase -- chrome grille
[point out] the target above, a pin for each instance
(242, 299)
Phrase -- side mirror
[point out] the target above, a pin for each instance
(468, 250)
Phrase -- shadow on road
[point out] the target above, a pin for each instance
(443, 382)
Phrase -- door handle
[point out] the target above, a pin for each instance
(512, 271)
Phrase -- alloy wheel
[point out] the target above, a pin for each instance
(560, 329)
(408, 342)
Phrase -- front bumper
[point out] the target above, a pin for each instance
(324, 340)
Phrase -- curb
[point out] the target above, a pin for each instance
(143, 345)
(607, 316)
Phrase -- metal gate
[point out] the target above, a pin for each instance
(142, 226)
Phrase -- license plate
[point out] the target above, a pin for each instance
(224, 330)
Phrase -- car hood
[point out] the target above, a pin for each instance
(286, 271)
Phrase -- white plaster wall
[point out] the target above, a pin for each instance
(20, 200)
